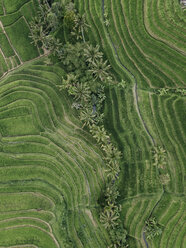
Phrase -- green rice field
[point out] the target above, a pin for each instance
(52, 171)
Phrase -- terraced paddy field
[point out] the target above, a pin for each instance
(15, 43)
(145, 44)
(51, 170)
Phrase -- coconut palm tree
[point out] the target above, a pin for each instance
(99, 133)
(112, 153)
(92, 53)
(71, 80)
(112, 170)
(68, 83)
(109, 219)
(37, 32)
(80, 25)
(82, 92)
(87, 117)
(159, 156)
(107, 22)
(163, 91)
(99, 69)
(48, 61)
(111, 192)
(181, 91)
(101, 94)
(152, 229)
(52, 20)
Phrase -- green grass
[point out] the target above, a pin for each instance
(10, 19)
(29, 10)
(13, 6)
(23, 201)
(19, 35)
(31, 234)
(3, 65)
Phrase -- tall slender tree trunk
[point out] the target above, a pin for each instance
(82, 32)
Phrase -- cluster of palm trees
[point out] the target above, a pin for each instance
(168, 91)
(43, 26)
(152, 229)
(97, 66)
(159, 156)
(110, 215)
(87, 73)
(50, 19)
(85, 100)
(160, 160)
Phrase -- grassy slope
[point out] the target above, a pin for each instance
(140, 53)
(51, 171)
(15, 17)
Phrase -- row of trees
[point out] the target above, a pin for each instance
(87, 74)
(169, 91)
(152, 228)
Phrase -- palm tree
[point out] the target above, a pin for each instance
(99, 133)
(92, 53)
(152, 229)
(163, 91)
(80, 25)
(48, 61)
(181, 91)
(87, 117)
(52, 20)
(122, 84)
(71, 80)
(109, 219)
(37, 32)
(112, 153)
(99, 69)
(112, 170)
(58, 9)
(69, 83)
(50, 43)
(111, 193)
(159, 157)
(101, 94)
(107, 22)
(82, 92)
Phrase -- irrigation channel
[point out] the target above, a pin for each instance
(133, 79)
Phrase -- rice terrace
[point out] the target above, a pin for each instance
(92, 123)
